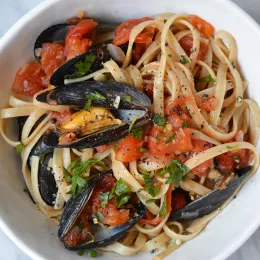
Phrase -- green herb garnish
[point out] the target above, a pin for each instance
(149, 186)
(81, 252)
(184, 125)
(80, 226)
(99, 216)
(138, 133)
(91, 97)
(121, 187)
(143, 150)
(170, 138)
(42, 156)
(169, 55)
(150, 201)
(163, 210)
(82, 68)
(123, 199)
(20, 147)
(184, 60)
(67, 174)
(232, 147)
(206, 79)
(104, 199)
(176, 171)
(132, 124)
(78, 168)
(92, 253)
(159, 120)
(127, 98)
(239, 99)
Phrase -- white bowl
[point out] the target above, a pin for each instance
(19, 218)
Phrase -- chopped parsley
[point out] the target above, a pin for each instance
(99, 216)
(92, 253)
(123, 199)
(20, 147)
(104, 199)
(150, 201)
(91, 97)
(82, 68)
(143, 150)
(206, 79)
(67, 174)
(149, 186)
(137, 133)
(170, 138)
(184, 125)
(169, 55)
(42, 156)
(163, 210)
(176, 171)
(232, 147)
(78, 168)
(81, 252)
(159, 120)
(80, 226)
(184, 60)
(127, 98)
(121, 187)
(132, 123)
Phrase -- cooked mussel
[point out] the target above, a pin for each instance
(212, 201)
(108, 120)
(69, 69)
(47, 184)
(100, 235)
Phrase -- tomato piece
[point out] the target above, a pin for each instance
(186, 43)
(138, 51)
(73, 20)
(102, 148)
(198, 147)
(146, 36)
(75, 43)
(163, 142)
(52, 57)
(237, 159)
(122, 32)
(129, 149)
(201, 25)
(29, 80)
(148, 88)
(179, 200)
(206, 102)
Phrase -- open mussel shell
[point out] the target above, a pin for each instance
(102, 237)
(55, 33)
(47, 184)
(104, 136)
(75, 94)
(212, 201)
(68, 68)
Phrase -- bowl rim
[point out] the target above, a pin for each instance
(41, 7)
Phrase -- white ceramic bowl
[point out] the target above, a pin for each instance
(19, 218)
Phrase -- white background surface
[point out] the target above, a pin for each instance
(10, 12)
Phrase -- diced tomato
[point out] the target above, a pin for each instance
(237, 159)
(158, 220)
(198, 147)
(186, 43)
(138, 51)
(167, 143)
(201, 25)
(62, 118)
(29, 80)
(75, 43)
(179, 200)
(102, 148)
(52, 57)
(122, 32)
(73, 20)
(129, 149)
(112, 215)
(206, 102)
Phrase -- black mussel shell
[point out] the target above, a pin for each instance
(55, 33)
(102, 236)
(46, 180)
(104, 136)
(68, 68)
(212, 201)
(75, 94)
